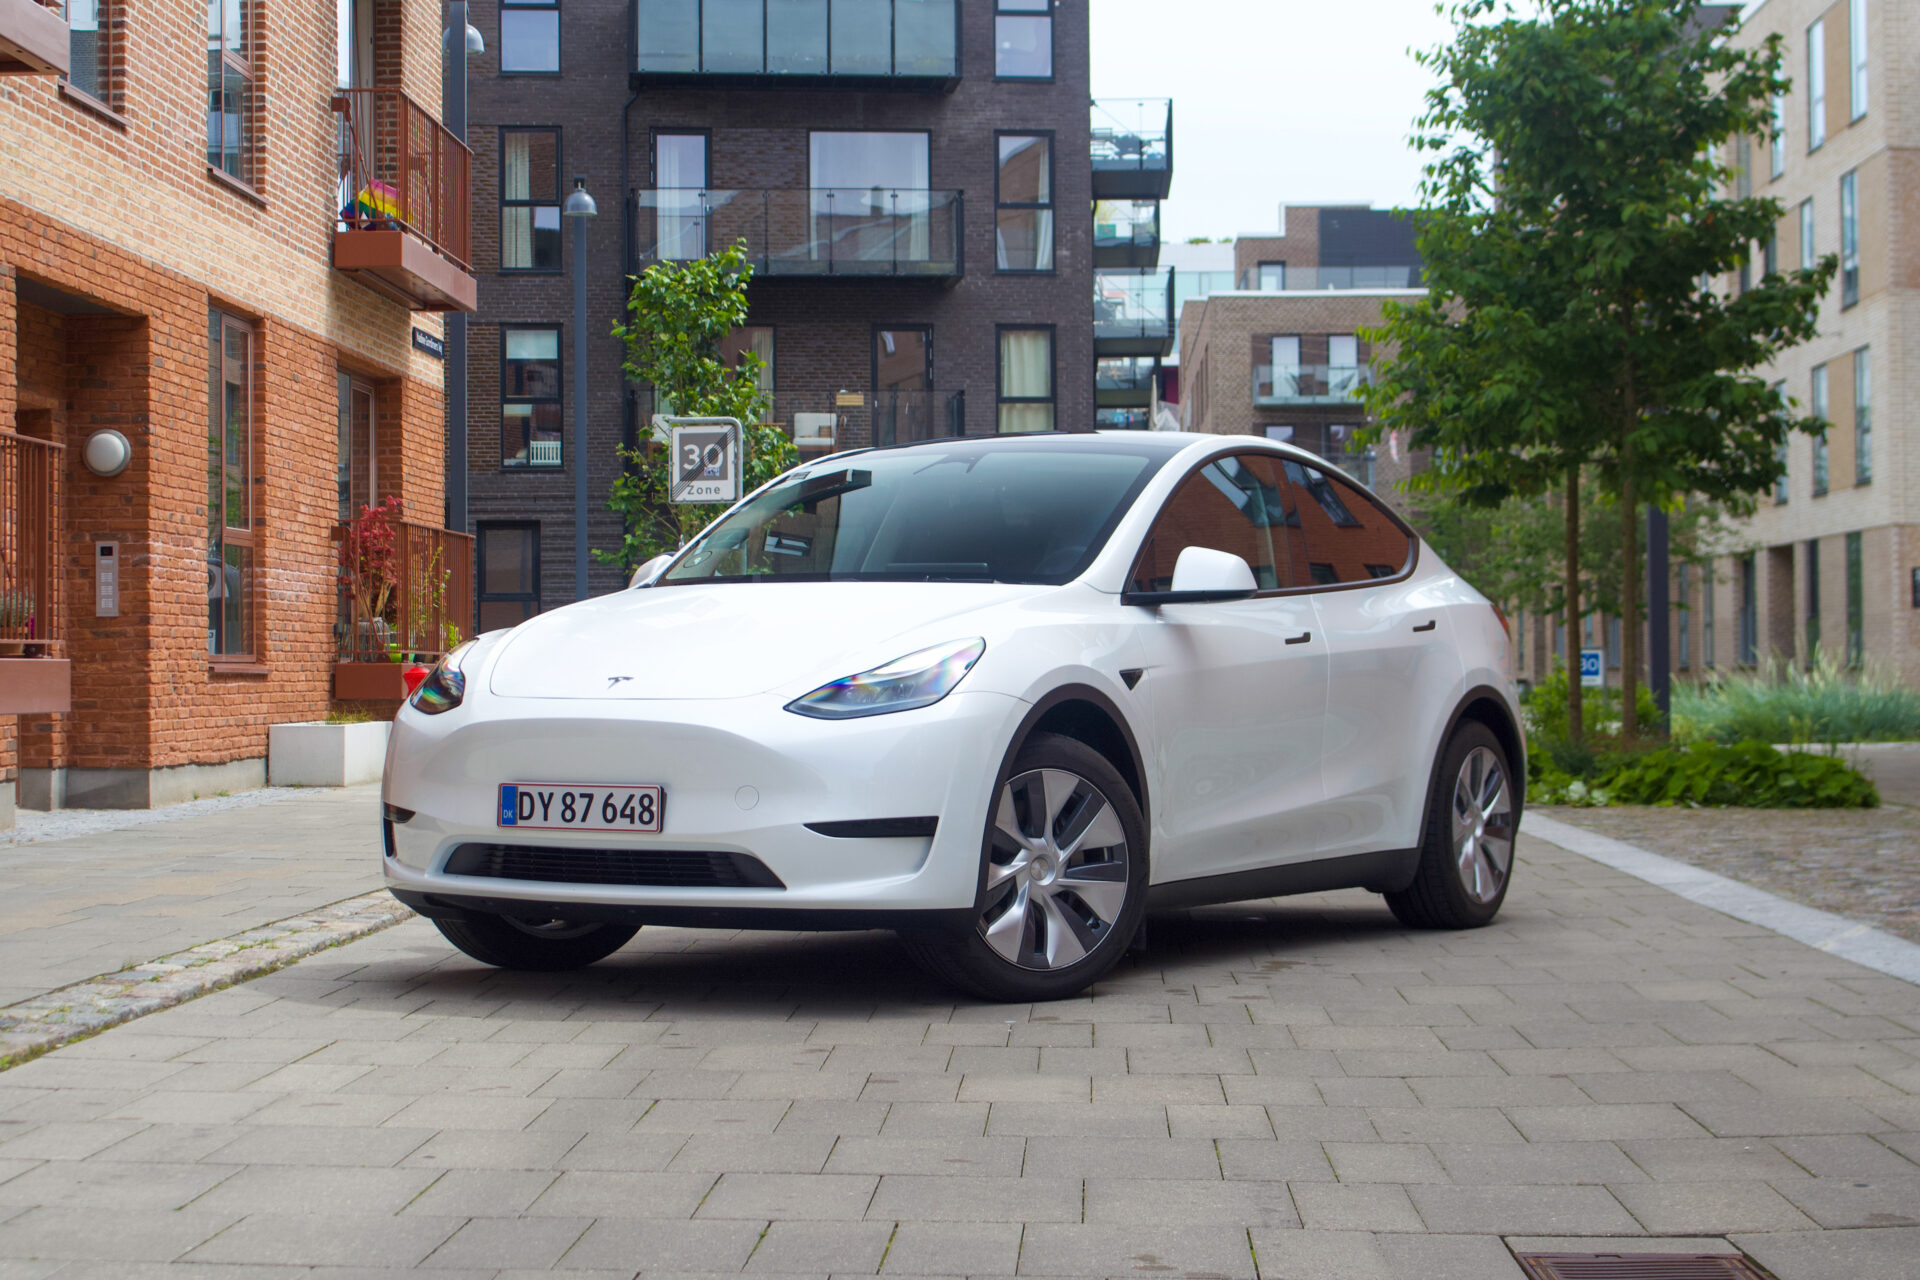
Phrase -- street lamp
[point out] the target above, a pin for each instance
(579, 206)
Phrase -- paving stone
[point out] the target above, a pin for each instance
(137, 1235)
(1280, 1161)
(1710, 1159)
(924, 1198)
(982, 1157)
(1032, 1087)
(1334, 1206)
(1873, 1254)
(1715, 1208)
(1321, 1255)
(753, 1153)
(483, 1193)
(1857, 1202)
(1050, 1249)
(791, 1248)
(337, 1191)
(493, 1149)
(488, 1243)
(1449, 1257)
(1088, 1119)
(1144, 1158)
(1537, 1163)
(1384, 1162)
(946, 1248)
(1129, 1201)
(660, 1246)
(582, 1193)
(1514, 1210)
(1776, 1116)
(788, 1195)
(112, 1185)
(1603, 1123)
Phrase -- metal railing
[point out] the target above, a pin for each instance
(405, 589)
(798, 39)
(821, 231)
(1309, 383)
(401, 169)
(30, 588)
(902, 417)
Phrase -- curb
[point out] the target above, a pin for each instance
(40, 1023)
(1822, 930)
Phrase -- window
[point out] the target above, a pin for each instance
(1233, 504)
(1857, 54)
(680, 163)
(863, 161)
(529, 37)
(230, 515)
(530, 407)
(1270, 277)
(1345, 536)
(1813, 600)
(1863, 416)
(355, 480)
(1816, 85)
(1707, 655)
(86, 47)
(230, 88)
(1780, 490)
(1749, 611)
(1284, 353)
(1343, 364)
(1777, 138)
(1026, 379)
(1684, 616)
(1856, 611)
(1806, 232)
(1613, 643)
(1023, 39)
(1849, 239)
(1023, 199)
(509, 574)
(755, 340)
(530, 200)
(1770, 255)
(1820, 442)
(1742, 166)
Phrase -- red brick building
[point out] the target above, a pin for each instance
(243, 293)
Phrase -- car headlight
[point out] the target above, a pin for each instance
(920, 679)
(446, 685)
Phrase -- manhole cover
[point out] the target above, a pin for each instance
(1640, 1266)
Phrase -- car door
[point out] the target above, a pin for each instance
(1394, 670)
(1233, 691)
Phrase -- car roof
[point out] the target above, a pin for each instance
(1165, 444)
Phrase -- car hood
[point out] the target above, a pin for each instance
(730, 640)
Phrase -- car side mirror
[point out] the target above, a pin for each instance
(648, 573)
(1201, 574)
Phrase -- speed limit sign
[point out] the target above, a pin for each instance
(706, 460)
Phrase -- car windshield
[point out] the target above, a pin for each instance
(971, 511)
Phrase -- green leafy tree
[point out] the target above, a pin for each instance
(1576, 217)
(677, 316)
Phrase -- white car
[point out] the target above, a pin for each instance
(1003, 695)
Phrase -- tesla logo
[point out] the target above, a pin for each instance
(614, 680)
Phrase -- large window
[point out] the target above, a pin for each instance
(1023, 198)
(680, 177)
(230, 514)
(1849, 238)
(1857, 54)
(530, 37)
(863, 161)
(1820, 450)
(230, 88)
(529, 199)
(1777, 138)
(1806, 232)
(1816, 85)
(509, 574)
(86, 47)
(1023, 39)
(755, 340)
(1856, 603)
(1026, 379)
(530, 407)
(1863, 416)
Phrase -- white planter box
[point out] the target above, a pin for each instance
(326, 755)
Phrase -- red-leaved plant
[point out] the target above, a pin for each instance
(370, 567)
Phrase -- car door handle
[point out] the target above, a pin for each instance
(1428, 625)
(1302, 638)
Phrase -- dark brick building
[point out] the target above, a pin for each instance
(913, 181)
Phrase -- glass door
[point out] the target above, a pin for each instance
(680, 176)
(902, 385)
(354, 474)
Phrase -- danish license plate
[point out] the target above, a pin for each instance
(550, 806)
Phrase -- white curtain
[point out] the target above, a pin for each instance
(1026, 369)
(516, 223)
(680, 172)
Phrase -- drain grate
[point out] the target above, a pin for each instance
(1640, 1266)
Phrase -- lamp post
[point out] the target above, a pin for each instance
(454, 113)
(579, 206)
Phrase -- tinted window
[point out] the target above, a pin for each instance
(1343, 534)
(1037, 513)
(1235, 504)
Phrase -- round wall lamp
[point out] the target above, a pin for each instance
(107, 453)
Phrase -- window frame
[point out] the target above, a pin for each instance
(1863, 416)
(1818, 402)
(1000, 396)
(1849, 239)
(559, 35)
(1748, 654)
(1001, 10)
(248, 658)
(1813, 600)
(1807, 249)
(1260, 271)
(1051, 206)
(1777, 139)
(1856, 557)
(529, 467)
(1856, 59)
(503, 204)
(245, 65)
(1816, 85)
(106, 82)
(481, 596)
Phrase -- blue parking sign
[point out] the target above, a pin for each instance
(1591, 664)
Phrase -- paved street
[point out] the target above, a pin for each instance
(1295, 1090)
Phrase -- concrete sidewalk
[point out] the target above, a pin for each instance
(1294, 1090)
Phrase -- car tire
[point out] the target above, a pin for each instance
(1054, 912)
(1466, 854)
(541, 946)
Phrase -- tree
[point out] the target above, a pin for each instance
(1576, 218)
(677, 316)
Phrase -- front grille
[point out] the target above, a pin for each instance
(680, 868)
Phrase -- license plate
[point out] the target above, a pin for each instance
(549, 806)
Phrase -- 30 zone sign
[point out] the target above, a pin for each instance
(706, 460)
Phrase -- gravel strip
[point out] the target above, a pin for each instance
(32, 1027)
(33, 827)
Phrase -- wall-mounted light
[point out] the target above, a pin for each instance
(107, 453)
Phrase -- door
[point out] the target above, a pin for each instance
(1285, 355)
(355, 476)
(902, 385)
(1234, 691)
(1394, 672)
(680, 179)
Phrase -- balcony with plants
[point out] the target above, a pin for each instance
(910, 45)
(405, 597)
(853, 233)
(405, 222)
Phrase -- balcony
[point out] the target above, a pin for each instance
(405, 595)
(405, 223)
(1132, 149)
(858, 233)
(1133, 313)
(1322, 279)
(1124, 382)
(1309, 383)
(1126, 233)
(911, 45)
(1123, 419)
(35, 677)
(33, 39)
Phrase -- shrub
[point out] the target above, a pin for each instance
(1784, 703)
(1750, 775)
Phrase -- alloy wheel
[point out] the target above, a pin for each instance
(1056, 870)
(1482, 825)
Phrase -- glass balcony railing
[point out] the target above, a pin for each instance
(1125, 373)
(1309, 383)
(858, 231)
(902, 41)
(1126, 233)
(1136, 419)
(1316, 279)
(1133, 312)
(1132, 148)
